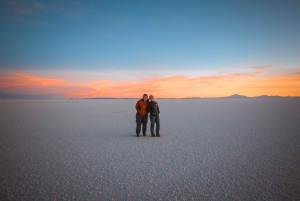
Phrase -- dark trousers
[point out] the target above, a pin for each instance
(139, 121)
(155, 120)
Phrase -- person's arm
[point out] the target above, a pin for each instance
(137, 105)
(148, 108)
(158, 109)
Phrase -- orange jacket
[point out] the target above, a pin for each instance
(142, 107)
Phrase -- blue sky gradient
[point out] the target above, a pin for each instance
(128, 34)
(194, 38)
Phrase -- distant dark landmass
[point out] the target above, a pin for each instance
(102, 98)
(107, 98)
(232, 96)
(262, 96)
(193, 98)
(4, 95)
(235, 96)
(243, 96)
(266, 96)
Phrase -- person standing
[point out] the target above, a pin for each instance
(153, 109)
(142, 115)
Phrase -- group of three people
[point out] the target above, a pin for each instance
(143, 107)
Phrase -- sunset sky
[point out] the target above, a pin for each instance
(84, 49)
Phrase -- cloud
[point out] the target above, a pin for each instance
(107, 35)
(171, 86)
(32, 22)
(241, 74)
(18, 7)
(24, 7)
(296, 73)
(19, 79)
(71, 14)
(259, 68)
(40, 6)
(22, 10)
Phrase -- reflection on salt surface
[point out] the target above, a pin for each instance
(210, 149)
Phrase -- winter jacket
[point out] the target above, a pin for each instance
(142, 107)
(153, 108)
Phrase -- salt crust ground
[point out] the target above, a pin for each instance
(210, 149)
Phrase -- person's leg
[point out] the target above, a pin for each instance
(138, 123)
(152, 119)
(157, 121)
(145, 121)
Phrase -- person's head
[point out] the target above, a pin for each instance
(151, 97)
(145, 97)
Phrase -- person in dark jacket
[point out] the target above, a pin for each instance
(142, 115)
(153, 109)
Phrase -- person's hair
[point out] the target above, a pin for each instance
(145, 95)
(151, 96)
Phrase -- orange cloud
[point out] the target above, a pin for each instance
(259, 68)
(23, 79)
(249, 84)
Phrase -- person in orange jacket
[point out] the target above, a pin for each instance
(142, 115)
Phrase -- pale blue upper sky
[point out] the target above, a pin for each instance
(163, 35)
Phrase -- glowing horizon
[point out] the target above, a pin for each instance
(250, 84)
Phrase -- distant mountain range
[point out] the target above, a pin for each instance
(262, 96)
(4, 95)
(235, 96)
(57, 96)
(107, 98)
(102, 98)
(232, 96)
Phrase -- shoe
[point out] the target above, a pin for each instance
(157, 135)
(138, 135)
(153, 135)
(144, 134)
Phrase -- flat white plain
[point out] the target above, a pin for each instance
(210, 149)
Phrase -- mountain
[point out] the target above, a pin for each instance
(4, 95)
(266, 96)
(102, 98)
(236, 96)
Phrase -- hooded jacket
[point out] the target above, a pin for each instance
(142, 107)
(153, 108)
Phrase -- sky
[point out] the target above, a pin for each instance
(171, 49)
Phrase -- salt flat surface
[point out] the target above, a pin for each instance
(210, 149)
